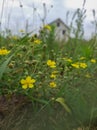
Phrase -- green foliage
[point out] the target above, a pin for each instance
(4, 66)
(65, 74)
(62, 102)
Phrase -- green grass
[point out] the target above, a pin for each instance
(59, 95)
(75, 93)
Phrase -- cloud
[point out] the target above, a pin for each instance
(89, 6)
(74, 4)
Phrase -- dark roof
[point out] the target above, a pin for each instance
(58, 19)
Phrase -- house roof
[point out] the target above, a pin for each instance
(59, 20)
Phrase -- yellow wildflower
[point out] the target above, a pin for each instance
(67, 59)
(75, 65)
(93, 60)
(51, 63)
(54, 72)
(37, 41)
(83, 65)
(47, 27)
(28, 82)
(53, 85)
(4, 51)
(82, 58)
(53, 76)
(79, 65)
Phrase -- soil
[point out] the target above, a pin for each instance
(17, 113)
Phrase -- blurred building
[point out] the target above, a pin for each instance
(61, 30)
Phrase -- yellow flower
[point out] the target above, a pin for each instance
(83, 65)
(82, 58)
(93, 60)
(47, 27)
(67, 59)
(53, 85)
(37, 41)
(54, 72)
(53, 76)
(28, 82)
(4, 51)
(51, 63)
(79, 65)
(75, 65)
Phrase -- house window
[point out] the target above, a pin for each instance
(58, 24)
(63, 32)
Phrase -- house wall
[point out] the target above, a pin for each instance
(61, 31)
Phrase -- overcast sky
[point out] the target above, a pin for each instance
(15, 14)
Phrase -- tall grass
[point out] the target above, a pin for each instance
(62, 78)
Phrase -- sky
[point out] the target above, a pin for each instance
(20, 14)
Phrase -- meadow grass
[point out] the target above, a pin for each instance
(49, 75)
(47, 84)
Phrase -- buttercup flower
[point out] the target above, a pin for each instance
(4, 51)
(55, 72)
(47, 27)
(82, 58)
(37, 41)
(83, 65)
(53, 85)
(93, 60)
(28, 82)
(79, 65)
(53, 76)
(51, 63)
(75, 65)
(67, 59)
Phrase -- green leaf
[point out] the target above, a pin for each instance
(4, 65)
(41, 100)
(62, 102)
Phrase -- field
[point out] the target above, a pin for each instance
(48, 84)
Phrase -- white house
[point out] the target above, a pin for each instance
(61, 30)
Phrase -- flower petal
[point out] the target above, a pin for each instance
(32, 81)
(31, 85)
(22, 81)
(28, 78)
(24, 86)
